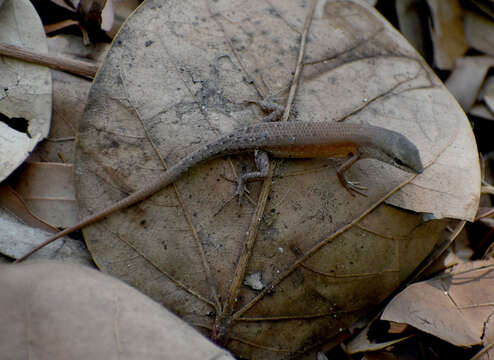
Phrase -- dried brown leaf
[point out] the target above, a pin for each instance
(362, 343)
(411, 21)
(69, 99)
(467, 78)
(487, 92)
(479, 33)
(176, 77)
(12, 202)
(74, 312)
(48, 190)
(481, 111)
(488, 340)
(25, 89)
(447, 30)
(454, 307)
(17, 238)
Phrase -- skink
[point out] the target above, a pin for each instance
(294, 139)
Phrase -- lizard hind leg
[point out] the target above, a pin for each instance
(262, 163)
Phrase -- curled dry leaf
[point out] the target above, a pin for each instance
(454, 307)
(25, 89)
(22, 230)
(481, 111)
(74, 312)
(69, 98)
(182, 72)
(412, 22)
(448, 34)
(467, 78)
(479, 33)
(487, 93)
(362, 343)
(47, 189)
(488, 340)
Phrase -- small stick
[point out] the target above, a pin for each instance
(76, 67)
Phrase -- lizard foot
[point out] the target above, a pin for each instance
(241, 188)
(275, 110)
(356, 187)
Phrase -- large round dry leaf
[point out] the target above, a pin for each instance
(179, 74)
(59, 311)
(25, 89)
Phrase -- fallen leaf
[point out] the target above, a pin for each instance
(48, 190)
(12, 202)
(180, 75)
(479, 33)
(487, 92)
(362, 343)
(488, 340)
(17, 238)
(481, 111)
(467, 78)
(453, 307)
(447, 31)
(74, 312)
(122, 10)
(69, 5)
(25, 88)
(412, 22)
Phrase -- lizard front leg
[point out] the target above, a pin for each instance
(350, 185)
(275, 109)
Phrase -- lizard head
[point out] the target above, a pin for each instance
(404, 154)
(395, 149)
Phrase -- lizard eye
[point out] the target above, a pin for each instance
(398, 161)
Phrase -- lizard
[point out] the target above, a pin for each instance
(295, 139)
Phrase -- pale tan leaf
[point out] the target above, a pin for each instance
(479, 33)
(69, 99)
(25, 89)
(481, 111)
(12, 202)
(71, 46)
(16, 239)
(69, 5)
(107, 16)
(362, 343)
(48, 190)
(447, 30)
(122, 9)
(487, 93)
(180, 75)
(467, 78)
(59, 311)
(412, 23)
(452, 307)
(488, 340)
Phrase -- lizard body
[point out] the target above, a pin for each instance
(280, 139)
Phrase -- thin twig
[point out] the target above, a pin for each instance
(72, 66)
(266, 186)
(298, 69)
